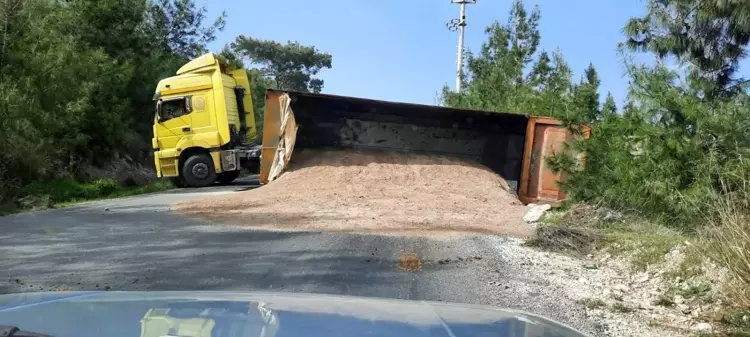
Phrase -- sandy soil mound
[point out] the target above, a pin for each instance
(373, 192)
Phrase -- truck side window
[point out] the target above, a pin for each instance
(174, 108)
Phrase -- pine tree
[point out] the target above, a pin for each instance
(509, 74)
(291, 66)
(709, 35)
(554, 96)
(609, 109)
(591, 99)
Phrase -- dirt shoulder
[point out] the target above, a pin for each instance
(571, 289)
(636, 276)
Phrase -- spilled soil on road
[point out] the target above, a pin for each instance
(373, 192)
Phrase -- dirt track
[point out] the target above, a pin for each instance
(374, 192)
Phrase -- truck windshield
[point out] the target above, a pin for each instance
(172, 109)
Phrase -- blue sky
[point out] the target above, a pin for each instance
(402, 51)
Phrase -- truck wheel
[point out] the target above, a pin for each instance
(226, 178)
(199, 171)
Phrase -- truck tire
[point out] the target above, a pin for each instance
(226, 178)
(199, 171)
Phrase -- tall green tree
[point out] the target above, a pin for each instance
(510, 74)
(77, 77)
(609, 108)
(291, 66)
(174, 31)
(180, 28)
(553, 98)
(711, 36)
(495, 77)
(586, 97)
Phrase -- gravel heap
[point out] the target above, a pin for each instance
(374, 192)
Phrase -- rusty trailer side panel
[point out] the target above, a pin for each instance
(545, 137)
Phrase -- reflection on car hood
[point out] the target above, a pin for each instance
(230, 314)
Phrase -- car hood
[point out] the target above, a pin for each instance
(218, 314)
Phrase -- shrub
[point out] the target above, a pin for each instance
(663, 156)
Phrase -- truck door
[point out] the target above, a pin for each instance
(173, 121)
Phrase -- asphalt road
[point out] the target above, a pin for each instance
(136, 243)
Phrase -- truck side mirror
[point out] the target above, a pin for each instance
(158, 111)
(189, 104)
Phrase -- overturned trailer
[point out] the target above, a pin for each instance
(512, 145)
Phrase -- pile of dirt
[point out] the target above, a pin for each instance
(374, 192)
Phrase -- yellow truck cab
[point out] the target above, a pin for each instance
(204, 124)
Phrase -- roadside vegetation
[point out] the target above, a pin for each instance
(61, 193)
(666, 178)
(76, 85)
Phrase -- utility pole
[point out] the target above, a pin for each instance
(459, 25)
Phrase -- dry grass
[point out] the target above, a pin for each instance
(565, 239)
(583, 229)
(730, 229)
